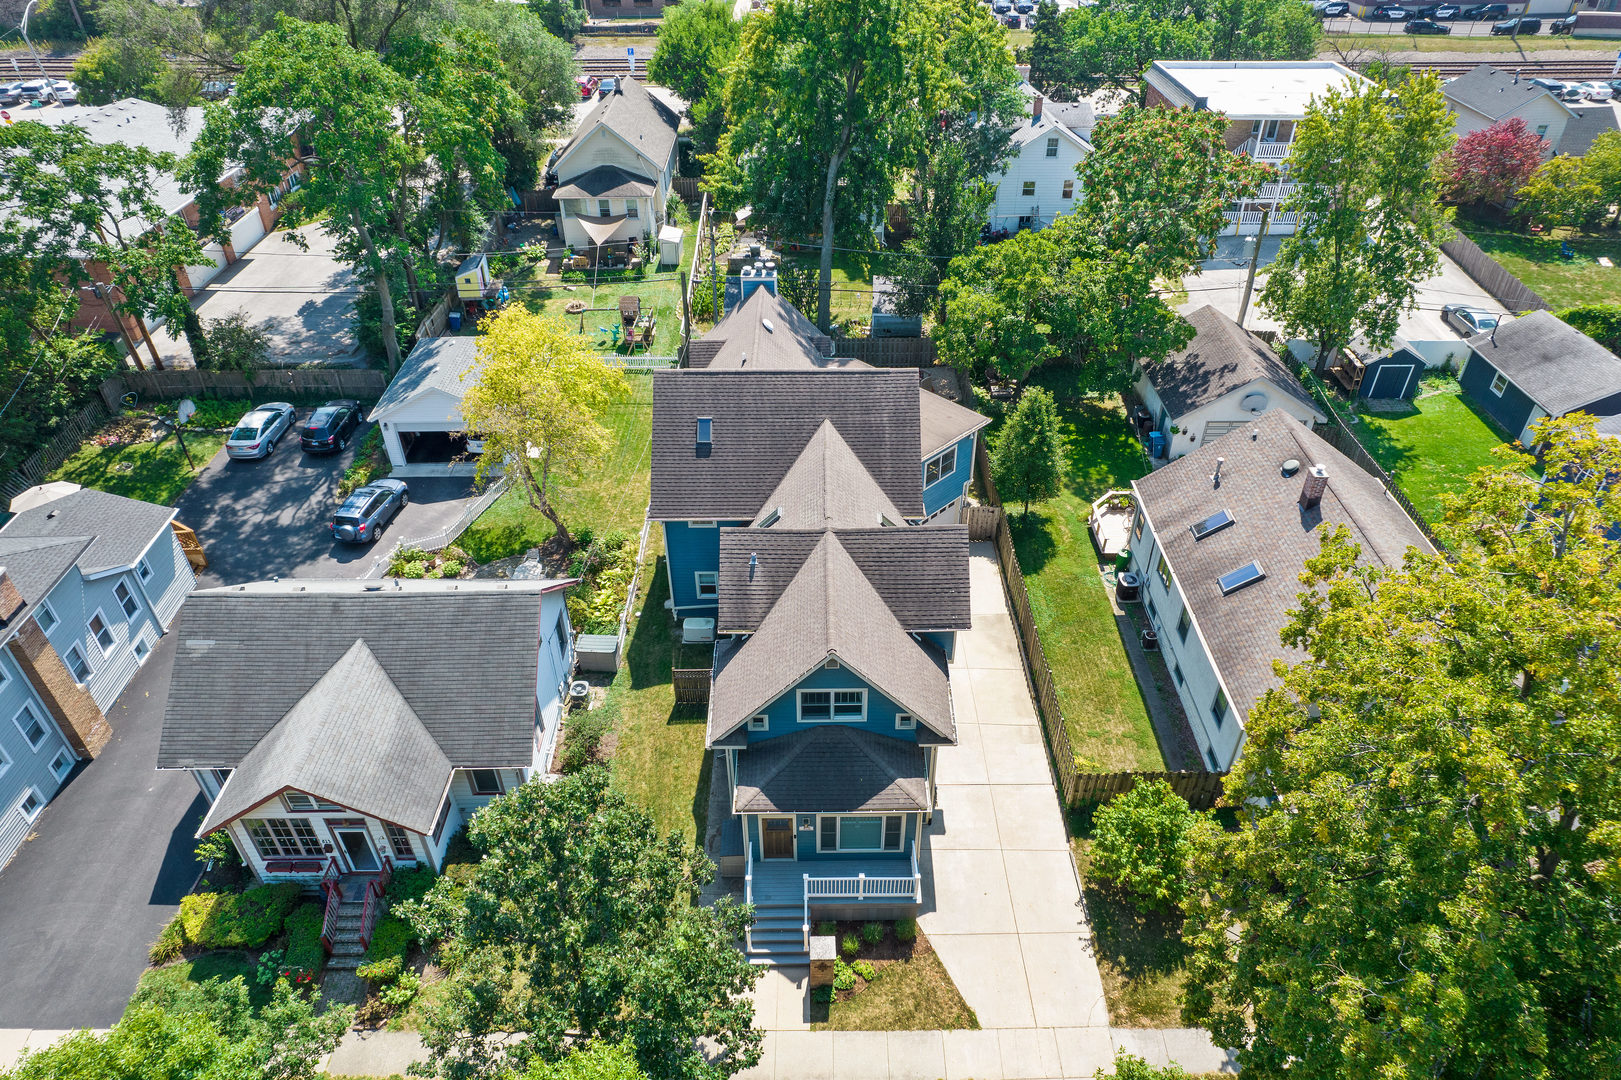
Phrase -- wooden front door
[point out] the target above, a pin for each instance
(777, 837)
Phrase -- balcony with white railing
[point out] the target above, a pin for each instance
(1260, 150)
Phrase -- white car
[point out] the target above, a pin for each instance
(257, 433)
(1469, 321)
(1596, 91)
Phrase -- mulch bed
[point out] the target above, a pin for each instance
(886, 952)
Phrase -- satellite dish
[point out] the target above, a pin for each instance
(1253, 402)
(185, 410)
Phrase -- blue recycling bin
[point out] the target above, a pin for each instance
(453, 320)
(1156, 444)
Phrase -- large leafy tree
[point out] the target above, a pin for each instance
(1562, 192)
(540, 67)
(1028, 458)
(697, 44)
(1370, 214)
(581, 922)
(1427, 881)
(537, 397)
(1490, 164)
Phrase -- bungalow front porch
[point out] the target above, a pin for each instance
(789, 896)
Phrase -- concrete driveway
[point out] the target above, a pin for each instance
(258, 519)
(109, 860)
(303, 299)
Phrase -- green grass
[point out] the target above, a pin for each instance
(1433, 447)
(1141, 956)
(152, 472)
(659, 292)
(165, 986)
(914, 994)
(851, 297)
(1561, 282)
(1103, 708)
(612, 496)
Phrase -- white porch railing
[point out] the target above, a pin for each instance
(748, 889)
(862, 887)
(1264, 151)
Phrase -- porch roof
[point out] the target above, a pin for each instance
(831, 770)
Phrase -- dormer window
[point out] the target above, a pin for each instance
(706, 431)
(771, 518)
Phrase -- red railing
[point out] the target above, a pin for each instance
(373, 907)
(334, 900)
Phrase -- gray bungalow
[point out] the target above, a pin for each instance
(1537, 366)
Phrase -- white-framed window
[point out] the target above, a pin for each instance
(1052, 146)
(61, 765)
(1069, 189)
(45, 618)
(860, 832)
(31, 805)
(485, 781)
(840, 706)
(1163, 569)
(759, 723)
(1218, 708)
(1499, 384)
(32, 727)
(1542, 131)
(1029, 189)
(76, 663)
(103, 636)
(604, 208)
(940, 466)
(708, 583)
(5, 762)
(299, 803)
(141, 649)
(905, 722)
(126, 599)
(631, 210)
(143, 570)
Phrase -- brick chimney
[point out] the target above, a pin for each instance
(1311, 492)
(1035, 109)
(11, 601)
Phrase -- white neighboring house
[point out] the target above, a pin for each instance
(1222, 380)
(1486, 96)
(368, 739)
(1263, 101)
(88, 583)
(1219, 541)
(420, 414)
(613, 175)
(1039, 182)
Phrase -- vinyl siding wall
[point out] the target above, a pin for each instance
(784, 711)
(1512, 410)
(172, 578)
(805, 840)
(75, 601)
(1191, 425)
(952, 486)
(1048, 173)
(687, 551)
(27, 768)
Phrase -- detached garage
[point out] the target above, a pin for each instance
(420, 414)
(1537, 366)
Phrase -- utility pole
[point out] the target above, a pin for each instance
(1255, 261)
(50, 89)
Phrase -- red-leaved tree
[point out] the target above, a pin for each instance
(1493, 163)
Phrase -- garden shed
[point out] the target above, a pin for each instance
(1389, 374)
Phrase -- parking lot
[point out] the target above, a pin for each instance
(259, 519)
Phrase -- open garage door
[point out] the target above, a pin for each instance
(246, 231)
(202, 275)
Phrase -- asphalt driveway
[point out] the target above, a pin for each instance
(109, 860)
(270, 518)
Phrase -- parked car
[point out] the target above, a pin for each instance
(1012, 22)
(33, 89)
(1390, 13)
(1520, 24)
(66, 92)
(257, 433)
(1425, 26)
(1426, 11)
(1335, 9)
(367, 512)
(1467, 320)
(330, 427)
(1001, 7)
(1567, 25)
(11, 93)
(1596, 91)
(1447, 11)
(1485, 11)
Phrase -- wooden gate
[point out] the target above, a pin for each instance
(981, 521)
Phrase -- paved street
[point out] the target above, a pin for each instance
(110, 859)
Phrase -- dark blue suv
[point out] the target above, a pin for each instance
(368, 511)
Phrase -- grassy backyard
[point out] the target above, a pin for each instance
(1535, 260)
(613, 496)
(154, 472)
(1103, 708)
(1431, 447)
(851, 297)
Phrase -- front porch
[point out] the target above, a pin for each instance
(790, 895)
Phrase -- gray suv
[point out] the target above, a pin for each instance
(366, 512)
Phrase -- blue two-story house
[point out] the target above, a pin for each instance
(794, 510)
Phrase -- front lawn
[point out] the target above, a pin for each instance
(154, 472)
(910, 991)
(1141, 956)
(612, 496)
(164, 986)
(1535, 260)
(1431, 447)
(1108, 724)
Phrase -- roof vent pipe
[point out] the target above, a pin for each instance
(1311, 492)
(1215, 478)
(754, 564)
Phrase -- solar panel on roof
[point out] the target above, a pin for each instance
(1233, 580)
(1214, 523)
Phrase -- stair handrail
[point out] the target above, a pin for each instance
(372, 908)
(917, 878)
(387, 872)
(805, 926)
(748, 890)
(334, 900)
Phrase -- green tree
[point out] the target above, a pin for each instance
(1260, 29)
(539, 66)
(1563, 191)
(235, 343)
(594, 1061)
(580, 902)
(1028, 458)
(1426, 883)
(1601, 322)
(1142, 841)
(1001, 304)
(537, 397)
(111, 68)
(698, 42)
(1370, 215)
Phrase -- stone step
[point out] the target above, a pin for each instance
(349, 963)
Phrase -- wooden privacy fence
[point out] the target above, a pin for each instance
(1490, 275)
(364, 383)
(44, 461)
(888, 352)
(691, 686)
(1202, 790)
(687, 188)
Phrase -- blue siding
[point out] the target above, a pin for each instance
(1511, 410)
(805, 841)
(687, 551)
(944, 640)
(951, 485)
(784, 711)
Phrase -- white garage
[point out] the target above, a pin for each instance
(420, 414)
(202, 275)
(246, 231)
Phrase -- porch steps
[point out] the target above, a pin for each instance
(779, 936)
(347, 951)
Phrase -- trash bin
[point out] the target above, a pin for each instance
(1156, 444)
(1122, 561)
(453, 321)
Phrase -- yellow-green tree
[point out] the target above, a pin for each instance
(537, 395)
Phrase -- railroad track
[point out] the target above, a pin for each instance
(56, 67)
(1568, 70)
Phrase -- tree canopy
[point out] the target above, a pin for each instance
(1490, 164)
(581, 919)
(698, 42)
(1427, 881)
(1370, 216)
(1028, 457)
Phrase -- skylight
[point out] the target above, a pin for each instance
(1248, 574)
(771, 519)
(1212, 524)
(705, 428)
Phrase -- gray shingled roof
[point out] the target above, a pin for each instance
(120, 529)
(828, 487)
(132, 122)
(435, 364)
(1241, 629)
(636, 116)
(942, 422)
(920, 572)
(352, 739)
(742, 340)
(1493, 93)
(1585, 125)
(829, 609)
(35, 564)
(463, 655)
(762, 421)
(605, 182)
(1221, 358)
(830, 770)
(1558, 366)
